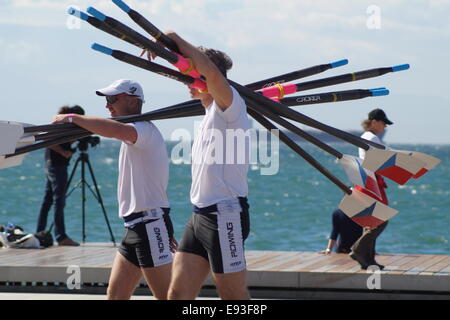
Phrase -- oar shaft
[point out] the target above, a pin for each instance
(147, 25)
(294, 115)
(325, 82)
(138, 39)
(143, 42)
(165, 113)
(48, 143)
(286, 124)
(150, 66)
(297, 149)
(99, 25)
(294, 75)
(331, 97)
(349, 77)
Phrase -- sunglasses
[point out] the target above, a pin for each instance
(113, 99)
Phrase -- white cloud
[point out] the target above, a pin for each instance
(18, 52)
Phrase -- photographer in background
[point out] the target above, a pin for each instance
(57, 160)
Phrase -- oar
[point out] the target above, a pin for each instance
(21, 150)
(6, 162)
(171, 57)
(365, 210)
(174, 48)
(293, 75)
(185, 65)
(396, 166)
(150, 66)
(164, 113)
(98, 24)
(10, 133)
(127, 58)
(399, 170)
(283, 89)
(156, 33)
(336, 96)
(61, 129)
(430, 161)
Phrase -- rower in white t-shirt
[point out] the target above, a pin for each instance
(214, 237)
(146, 247)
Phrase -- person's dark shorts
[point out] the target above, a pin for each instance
(147, 244)
(219, 238)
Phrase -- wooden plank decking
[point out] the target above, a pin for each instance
(271, 273)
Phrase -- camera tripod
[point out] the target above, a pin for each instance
(84, 159)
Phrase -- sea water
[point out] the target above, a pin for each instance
(290, 210)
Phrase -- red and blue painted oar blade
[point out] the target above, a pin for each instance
(430, 161)
(397, 166)
(365, 210)
(358, 175)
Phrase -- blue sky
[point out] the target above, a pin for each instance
(45, 64)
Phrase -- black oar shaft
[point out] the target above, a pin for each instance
(147, 25)
(286, 124)
(297, 149)
(138, 39)
(325, 97)
(165, 113)
(289, 77)
(297, 116)
(48, 143)
(148, 65)
(348, 77)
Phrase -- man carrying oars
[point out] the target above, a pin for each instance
(214, 236)
(143, 177)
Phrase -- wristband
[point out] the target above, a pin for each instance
(70, 117)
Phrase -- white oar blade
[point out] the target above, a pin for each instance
(365, 210)
(430, 161)
(358, 175)
(397, 166)
(12, 161)
(10, 133)
(17, 160)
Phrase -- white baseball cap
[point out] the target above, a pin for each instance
(122, 86)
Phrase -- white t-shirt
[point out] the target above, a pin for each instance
(368, 135)
(219, 161)
(143, 171)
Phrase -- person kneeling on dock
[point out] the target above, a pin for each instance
(143, 204)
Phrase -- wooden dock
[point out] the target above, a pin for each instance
(271, 274)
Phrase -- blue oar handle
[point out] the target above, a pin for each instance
(102, 49)
(339, 63)
(74, 12)
(379, 92)
(400, 67)
(122, 5)
(100, 16)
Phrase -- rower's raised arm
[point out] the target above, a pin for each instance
(216, 81)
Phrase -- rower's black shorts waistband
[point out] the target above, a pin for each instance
(213, 208)
(141, 214)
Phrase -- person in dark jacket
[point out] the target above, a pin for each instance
(57, 160)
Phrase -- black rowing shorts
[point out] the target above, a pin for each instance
(219, 238)
(147, 244)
